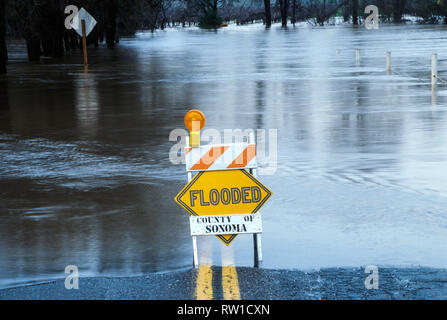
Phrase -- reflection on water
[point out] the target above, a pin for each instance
(87, 106)
(86, 179)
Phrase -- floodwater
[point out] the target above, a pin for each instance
(361, 175)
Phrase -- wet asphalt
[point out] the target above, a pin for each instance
(254, 284)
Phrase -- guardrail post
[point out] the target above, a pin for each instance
(434, 70)
(388, 62)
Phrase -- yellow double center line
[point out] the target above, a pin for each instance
(204, 288)
(230, 283)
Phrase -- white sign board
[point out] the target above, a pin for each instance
(90, 22)
(227, 224)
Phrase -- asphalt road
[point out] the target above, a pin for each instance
(248, 283)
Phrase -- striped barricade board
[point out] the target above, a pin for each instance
(221, 157)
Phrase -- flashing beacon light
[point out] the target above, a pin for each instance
(194, 121)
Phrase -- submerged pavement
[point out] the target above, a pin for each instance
(248, 283)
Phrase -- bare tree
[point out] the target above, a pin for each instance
(355, 12)
(325, 11)
(3, 49)
(110, 15)
(268, 14)
(398, 10)
(284, 9)
(293, 18)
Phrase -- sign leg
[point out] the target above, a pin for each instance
(257, 246)
(255, 250)
(259, 241)
(195, 253)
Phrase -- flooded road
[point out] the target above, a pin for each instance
(361, 177)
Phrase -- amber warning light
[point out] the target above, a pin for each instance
(194, 121)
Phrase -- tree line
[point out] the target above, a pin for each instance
(41, 22)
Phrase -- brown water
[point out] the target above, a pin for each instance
(85, 174)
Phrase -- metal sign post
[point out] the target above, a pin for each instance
(86, 25)
(224, 196)
(84, 43)
(195, 258)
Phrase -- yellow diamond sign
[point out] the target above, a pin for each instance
(221, 193)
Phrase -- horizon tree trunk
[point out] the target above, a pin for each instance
(58, 37)
(30, 20)
(293, 19)
(284, 8)
(3, 49)
(110, 23)
(33, 48)
(345, 12)
(398, 10)
(33, 37)
(321, 18)
(355, 12)
(52, 29)
(268, 14)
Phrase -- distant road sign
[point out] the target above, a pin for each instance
(223, 193)
(217, 225)
(90, 22)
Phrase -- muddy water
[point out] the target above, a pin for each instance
(361, 176)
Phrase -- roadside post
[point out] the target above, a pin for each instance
(434, 71)
(388, 62)
(223, 195)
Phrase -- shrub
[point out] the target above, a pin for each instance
(210, 20)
